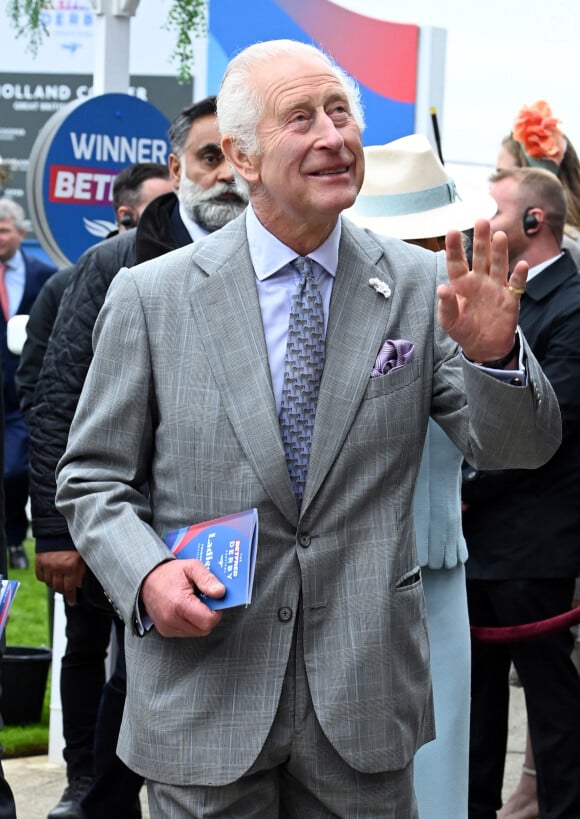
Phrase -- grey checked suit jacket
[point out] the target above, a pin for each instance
(179, 397)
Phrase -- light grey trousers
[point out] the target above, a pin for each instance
(297, 775)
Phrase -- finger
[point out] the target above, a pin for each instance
(51, 579)
(455, 255)
(481, 249)
(499, 267)
(447, 309)
(188, 616)
(199, 618)
(203, 579)
(71, 597)
(69, 584)
(519, 277)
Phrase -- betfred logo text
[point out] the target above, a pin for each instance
(84, 186)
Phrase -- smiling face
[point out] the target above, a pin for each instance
(311, 163)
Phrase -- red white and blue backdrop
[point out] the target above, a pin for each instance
(399, 67)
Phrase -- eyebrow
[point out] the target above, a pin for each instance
(336, 96)
(209, 146)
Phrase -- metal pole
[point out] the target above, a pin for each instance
(112, 45)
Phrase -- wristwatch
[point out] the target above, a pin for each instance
(500, 363)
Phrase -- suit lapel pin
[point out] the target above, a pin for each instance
(381, 287)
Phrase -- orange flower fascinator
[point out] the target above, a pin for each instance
(536, 129)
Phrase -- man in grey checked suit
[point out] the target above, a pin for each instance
(312, 701)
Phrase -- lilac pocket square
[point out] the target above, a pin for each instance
(392, 355)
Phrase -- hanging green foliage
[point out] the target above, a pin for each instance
(187, 18)
(26, 19)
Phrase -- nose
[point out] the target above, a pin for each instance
(327, 134)
(225, 173)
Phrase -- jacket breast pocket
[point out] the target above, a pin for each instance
(394, 380)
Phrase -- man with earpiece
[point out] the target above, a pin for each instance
(134, 187)
(522, 527)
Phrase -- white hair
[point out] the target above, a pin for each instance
(12, 211)
(240, 106)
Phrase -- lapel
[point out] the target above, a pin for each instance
(356, 331)
(227, 313)
(550, 279)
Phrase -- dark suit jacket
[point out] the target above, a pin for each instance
(526, 523)
(16, 431)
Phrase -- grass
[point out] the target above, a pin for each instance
(28, 626)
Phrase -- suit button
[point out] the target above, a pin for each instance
(305, 541)
(516, 382)
(285, 614)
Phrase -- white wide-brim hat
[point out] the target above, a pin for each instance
(407, 193)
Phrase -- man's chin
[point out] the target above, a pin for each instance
(215, 215)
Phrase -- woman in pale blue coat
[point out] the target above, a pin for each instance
(441, 766)
(408, 194)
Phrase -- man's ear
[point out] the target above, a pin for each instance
(240, 161)
(174, 166)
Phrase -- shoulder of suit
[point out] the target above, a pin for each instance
(117, 249)
(32, 263)
(223, 241)
(167, 273)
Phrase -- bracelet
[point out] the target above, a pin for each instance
(500, 363)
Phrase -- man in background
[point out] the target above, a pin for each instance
(522, 527)
(21, 279)
(134, 187)
(205, 198)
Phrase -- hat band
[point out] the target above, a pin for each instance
(401, 204)
(545, 163)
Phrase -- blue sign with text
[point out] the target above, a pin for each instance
(83, 147)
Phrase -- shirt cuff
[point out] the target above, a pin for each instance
(142, 623)
(515, 377)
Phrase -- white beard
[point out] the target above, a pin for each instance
(203, 206)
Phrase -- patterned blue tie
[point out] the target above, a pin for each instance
(302, 372)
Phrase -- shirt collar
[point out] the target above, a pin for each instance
(14, 261)
(534, 271)
(269, 254)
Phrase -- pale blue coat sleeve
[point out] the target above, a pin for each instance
(437, 506)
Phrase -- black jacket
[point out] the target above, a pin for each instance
(69, 354)
(526, 523)
(38, 329)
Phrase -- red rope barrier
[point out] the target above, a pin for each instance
(526, 631)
